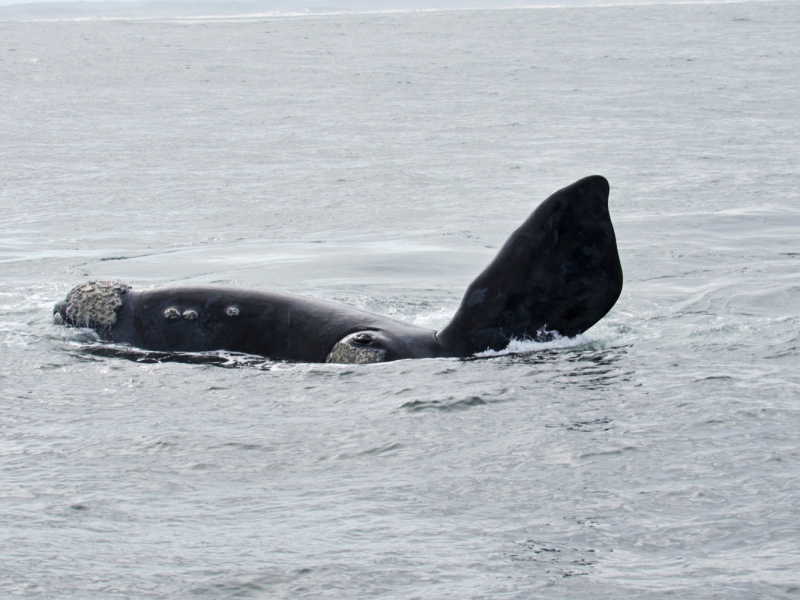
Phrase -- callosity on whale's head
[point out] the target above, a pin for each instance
(359, 348)
(386, 342)
(558, 272)
(94, 305)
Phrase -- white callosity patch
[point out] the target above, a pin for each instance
(344, 353)
(95, 304)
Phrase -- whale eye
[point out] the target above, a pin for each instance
(362, 338)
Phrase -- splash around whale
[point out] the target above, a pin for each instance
(558, 272)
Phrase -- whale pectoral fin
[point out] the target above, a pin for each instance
(559, 272)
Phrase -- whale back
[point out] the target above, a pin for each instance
(558, 272)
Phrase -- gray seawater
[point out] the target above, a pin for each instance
(381, 160)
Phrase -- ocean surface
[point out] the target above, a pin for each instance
(381, 160)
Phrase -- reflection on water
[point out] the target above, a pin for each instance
(228, 360)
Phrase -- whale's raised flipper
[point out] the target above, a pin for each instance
(559, 272)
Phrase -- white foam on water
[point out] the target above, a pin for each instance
(528, 346)
(434, 319)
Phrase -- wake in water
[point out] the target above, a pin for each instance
(550, 340)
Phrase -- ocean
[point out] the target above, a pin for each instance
(381, 160)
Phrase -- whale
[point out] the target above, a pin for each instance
(559, 273)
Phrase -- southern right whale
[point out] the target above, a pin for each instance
(559, 272)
